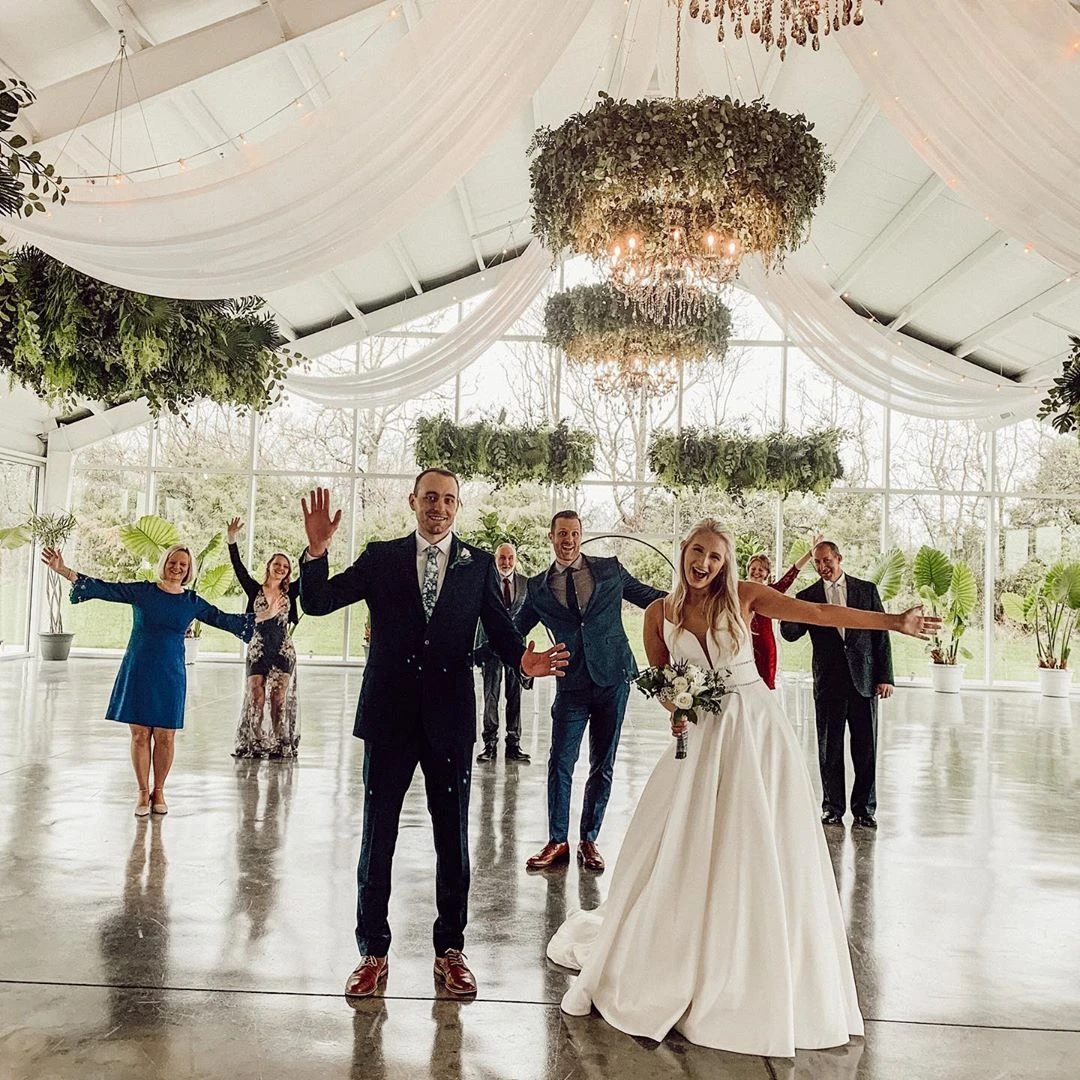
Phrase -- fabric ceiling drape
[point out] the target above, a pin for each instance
(443, 358)
(335, 185)
(986, 91)
(881, 364)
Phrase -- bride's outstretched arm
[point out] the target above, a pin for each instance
(773, 605)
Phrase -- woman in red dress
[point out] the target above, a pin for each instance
(759, 568)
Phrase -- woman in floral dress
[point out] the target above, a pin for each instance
(271, 659)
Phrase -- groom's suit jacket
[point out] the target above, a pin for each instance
(864, 655)
(419, 673)
(599, 651)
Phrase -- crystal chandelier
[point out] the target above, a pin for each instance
(778, 22)
(636, 373)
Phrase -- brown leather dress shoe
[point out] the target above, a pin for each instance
(452, 972)
(367, 976)
(551, 854)
(589, 857)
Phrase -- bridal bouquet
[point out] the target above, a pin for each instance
(687, 687)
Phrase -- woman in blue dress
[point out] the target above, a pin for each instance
(151, 685)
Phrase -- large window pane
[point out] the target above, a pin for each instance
(206, 436)
(949, 455)
(18, 498)
(102, 501)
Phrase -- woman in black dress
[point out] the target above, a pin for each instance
(271, 659)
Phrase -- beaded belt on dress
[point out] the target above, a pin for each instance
(738, 678)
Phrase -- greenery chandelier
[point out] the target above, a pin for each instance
(628, 352)
(778, 22)
(669, 195)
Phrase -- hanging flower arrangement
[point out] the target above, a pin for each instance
(734, 462)
(505, 454)
(69, 337)
(669, 195)
(627, 351)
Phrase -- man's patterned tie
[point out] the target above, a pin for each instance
(430, 590)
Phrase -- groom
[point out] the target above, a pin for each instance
(426, 593)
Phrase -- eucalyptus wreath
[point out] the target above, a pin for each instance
(505, 454)
(1062, 402)
(19, 167)
(67, 336)
(741, 170)
(734, 462)
(595, 322)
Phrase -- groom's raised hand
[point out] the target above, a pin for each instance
(318, 524)
(550, 662)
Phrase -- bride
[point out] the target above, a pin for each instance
(723, 920)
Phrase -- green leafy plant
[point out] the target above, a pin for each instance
(505, 454)
(698, 459)
(742, 171)
(1062, 402)
(47, 531)
(151, 536)
(595, 324)
(950, 590)
(20, 167)
(1051, 608)
(528, 536)
(69, 337)
(888, 574)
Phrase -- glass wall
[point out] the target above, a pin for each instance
(1008, 502)
(18, 499)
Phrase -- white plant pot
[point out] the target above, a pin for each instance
(946, 678)
(1055, 682)
(191, 650)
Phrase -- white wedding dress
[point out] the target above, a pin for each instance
(722, 920)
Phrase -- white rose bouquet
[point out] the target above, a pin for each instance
(687, 687)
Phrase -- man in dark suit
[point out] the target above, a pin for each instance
(579, 600)
(496, 673)
(852, 669)
(426, 593)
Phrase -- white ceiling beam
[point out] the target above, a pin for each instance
(1073, 330)
(196, 112)
(862, 120)
(404, 260)
(131, 414)
(1018, 314)
(342, 334)
(470, 220)
(987, 248)
(337, 287)
(121, 18)
(902, 221)
(311, 81)
(286, 328)
(181, 61)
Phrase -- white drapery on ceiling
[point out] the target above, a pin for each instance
(452, 352)
(881, 364)
(986, 91)
(338, 183)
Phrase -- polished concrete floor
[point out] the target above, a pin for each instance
(214, 942)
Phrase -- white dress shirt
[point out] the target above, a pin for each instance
(836, 593)
(443, 559)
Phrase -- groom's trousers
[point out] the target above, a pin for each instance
(388, 772)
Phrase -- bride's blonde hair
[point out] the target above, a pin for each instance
(722, 608)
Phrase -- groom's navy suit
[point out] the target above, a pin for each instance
(417, 706)
(594, 686)
(847, 671)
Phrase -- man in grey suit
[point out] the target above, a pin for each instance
(852, 669)
(496, 673)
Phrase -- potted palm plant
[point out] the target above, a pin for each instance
(47, 531)
(1051, 608)
(150, 537)
(950, 590)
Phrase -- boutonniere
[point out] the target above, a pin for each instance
(463, 558)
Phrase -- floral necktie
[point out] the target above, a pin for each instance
(430, 590)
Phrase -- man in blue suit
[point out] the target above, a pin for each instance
(579, 600)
